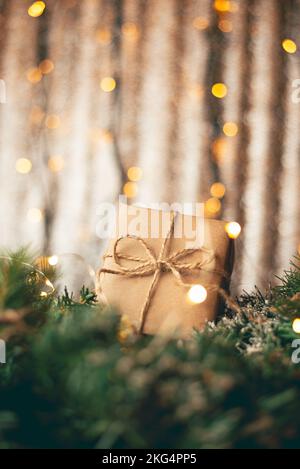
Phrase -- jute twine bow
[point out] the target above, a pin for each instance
(156, 265)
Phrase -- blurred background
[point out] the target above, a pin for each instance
(161, 100)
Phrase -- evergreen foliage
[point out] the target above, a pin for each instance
(76, 377)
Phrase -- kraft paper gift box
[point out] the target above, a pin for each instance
(149, 278)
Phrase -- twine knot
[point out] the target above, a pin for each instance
(153, 265)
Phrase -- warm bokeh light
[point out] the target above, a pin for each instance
(56, 163)
(212, 206)
(200, 22)
(46, 66)
(233, 229)
(108, 84)
(130, 31)
(36, 115)
(219, 148)
(34, 215)
(296, 325)
(34, 75)
(36, 9)
(130, 189)
(134, 173)
(219, 90)
(103, 36)
(23, 165)
(53, 260)
(217, 190)
(230, 129)
(52, 121)
(222, 5)
(225, 26)
(289, 46)
(197, 294)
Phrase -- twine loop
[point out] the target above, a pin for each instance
(153, 265)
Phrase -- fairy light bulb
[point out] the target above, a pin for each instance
(197, 294)
(34, 75)
(230, 129)
(53, 260)
(222, 5)
(296, 325)
(134, 173)
(289, 46)
(46, 66)
(219, 90)
(23, 166)
(130, 189)
(217, 190)
(36, 9)
(212, 206)
(108, 84)
(233, 229)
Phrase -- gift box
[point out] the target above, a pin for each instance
(166, 271)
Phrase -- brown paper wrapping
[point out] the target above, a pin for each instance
(170, 311)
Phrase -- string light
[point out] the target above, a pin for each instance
(289, 46)
(46, 66)
(108, 84)
(23, 165)
(103, 36)
(130, 31)
(56, 163)
(134, 173)
(197, 294)
(222, 5)
(52, 121)
(219, 90)
(34, 75)
(130, 189)
(53, 260)
(230, 129)
(200, 23)
(212, 206)
(225, 26)
(34, 215)
(217, 190)
(219, 148)
(233, 229)
(36, 9)
(296, 325)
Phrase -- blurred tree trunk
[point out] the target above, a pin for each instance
(161, 116)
